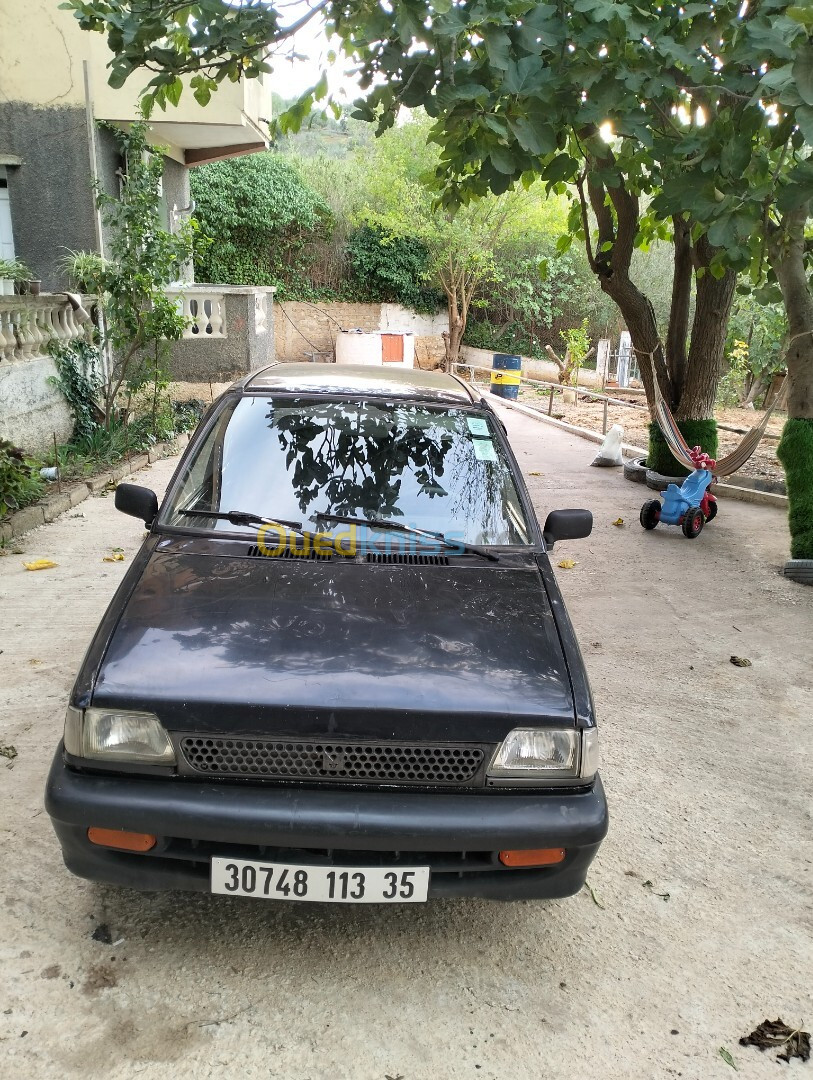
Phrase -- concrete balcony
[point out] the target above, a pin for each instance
(229, 333)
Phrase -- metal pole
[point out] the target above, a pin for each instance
(550, 401)
(56, 462)
(604, 426)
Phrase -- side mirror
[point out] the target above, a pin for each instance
(138, 502)
(567, 525)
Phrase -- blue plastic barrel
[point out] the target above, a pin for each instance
(506, 370)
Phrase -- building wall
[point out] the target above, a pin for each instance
(49, 193)
(301, 329)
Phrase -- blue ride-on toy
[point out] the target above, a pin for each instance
(691, 505)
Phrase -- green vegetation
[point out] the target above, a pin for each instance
(20, 482)
(265, 222)
(702, 433)
(795, 451)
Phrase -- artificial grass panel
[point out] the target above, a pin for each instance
(702, 433)
(795, 451)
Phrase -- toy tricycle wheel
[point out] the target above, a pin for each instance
(650, 513)
(712, 514)
(693, 521)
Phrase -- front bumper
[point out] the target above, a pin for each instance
(458, 836)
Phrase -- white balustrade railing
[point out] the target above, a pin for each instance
(204, 311)
(28, 323)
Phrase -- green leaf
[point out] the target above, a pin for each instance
(202, 94)
(804, 118)
(563, 243)
(498, 47)
(174, 91)
(442, 7)
(562, 167)
(502, 160)
(544, 269)
(803, 72)
(727, 1058)
(534, 134)
(717, 270)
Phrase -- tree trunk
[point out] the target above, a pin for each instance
(707, 348)
(454, 338)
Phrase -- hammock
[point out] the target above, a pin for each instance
(688, 457)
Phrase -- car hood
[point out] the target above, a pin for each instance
(274, 646)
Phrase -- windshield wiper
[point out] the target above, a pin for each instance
(397, 526)
(241, 517)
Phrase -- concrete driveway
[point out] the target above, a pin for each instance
(699, 926)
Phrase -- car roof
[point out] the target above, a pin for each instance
(364, 380)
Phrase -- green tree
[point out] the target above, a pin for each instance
(460, 246)
(139, 317)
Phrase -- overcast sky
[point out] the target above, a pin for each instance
(292, 77)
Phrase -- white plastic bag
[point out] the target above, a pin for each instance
(610, 452)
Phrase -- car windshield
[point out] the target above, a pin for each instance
(441, 470)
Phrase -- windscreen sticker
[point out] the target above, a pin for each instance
(478, 426)
(484, 449)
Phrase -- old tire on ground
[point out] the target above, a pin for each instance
(635, 470)
(693, 522)
(800, 570)
(658, 482)
(650, 514)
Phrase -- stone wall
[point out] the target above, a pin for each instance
(302, 329)
(31, 408)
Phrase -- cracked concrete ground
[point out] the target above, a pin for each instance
(707, 769)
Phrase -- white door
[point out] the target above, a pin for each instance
(6, 237)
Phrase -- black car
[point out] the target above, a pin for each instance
(339, 668)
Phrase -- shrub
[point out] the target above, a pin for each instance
(261, 217)
(702, 433)
(795, 451)
(391, 269)
(79, 377)
(20, 482)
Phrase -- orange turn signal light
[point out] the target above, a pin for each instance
(533, 857)
(124, 841)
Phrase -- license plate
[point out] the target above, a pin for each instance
(324, 884)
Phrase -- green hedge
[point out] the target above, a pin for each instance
(701, 433)
(795, 451)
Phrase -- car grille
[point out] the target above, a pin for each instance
(353, 762)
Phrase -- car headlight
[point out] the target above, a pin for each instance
(546, 753)
(109, 735)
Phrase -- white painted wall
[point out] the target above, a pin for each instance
(32, 408)
(396, 319)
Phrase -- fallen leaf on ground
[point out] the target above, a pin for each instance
(534, 474)
(34, 660)
(596, 644)
(566, 564)
(727, 1058)
(773, 1033)
(115, 557)
(9, 752)
(596, 900)
(740, 661)
(40, 564)
(619, 522)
